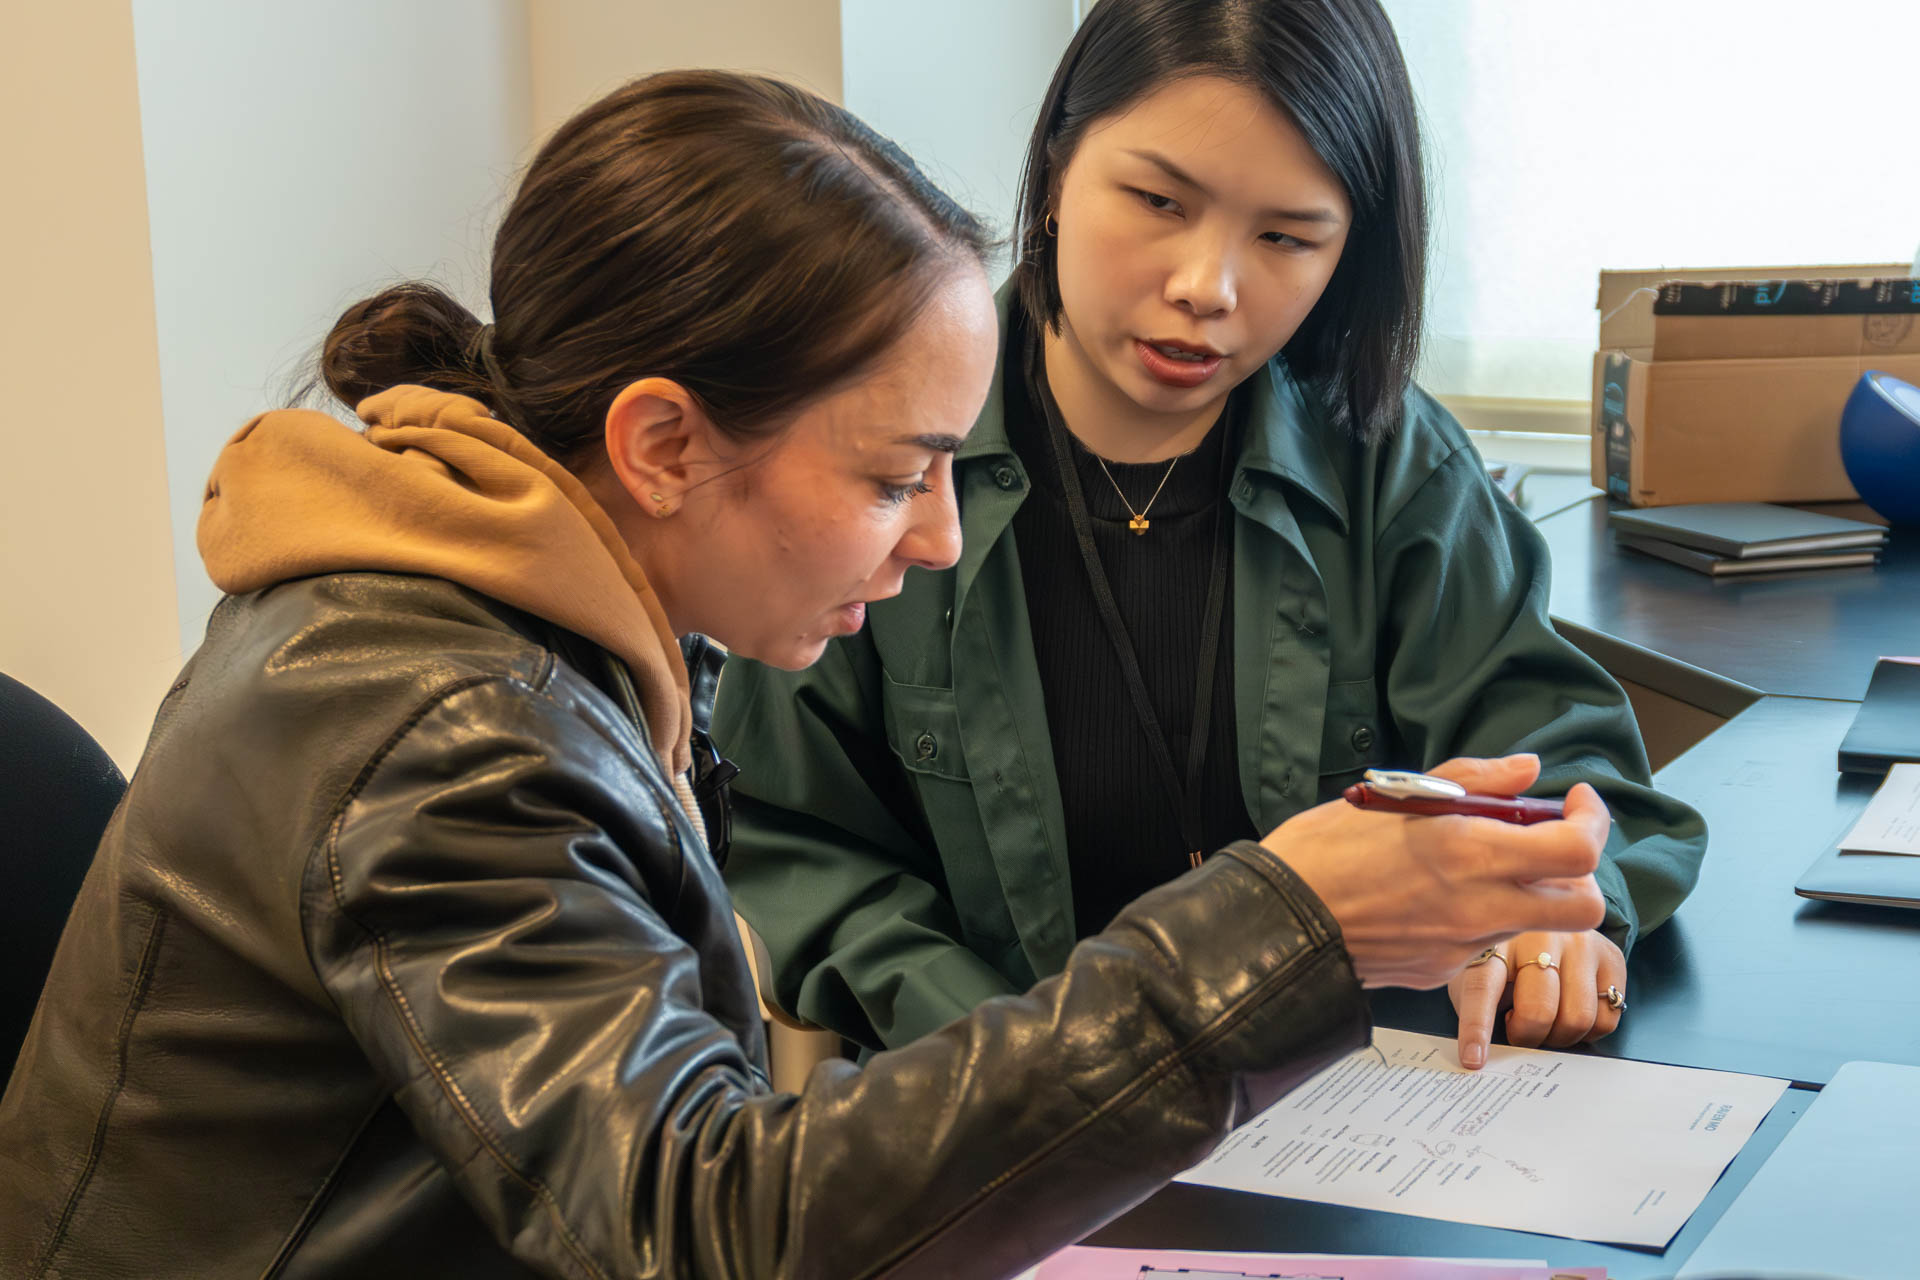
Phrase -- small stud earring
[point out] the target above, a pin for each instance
(661, 507)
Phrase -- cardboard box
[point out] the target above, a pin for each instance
(1733, 393)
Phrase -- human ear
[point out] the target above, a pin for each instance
(655, 433)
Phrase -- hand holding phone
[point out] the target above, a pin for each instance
(1392, 791)
(1416, 900)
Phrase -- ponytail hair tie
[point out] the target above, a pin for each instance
(505, 407)
(489, 363)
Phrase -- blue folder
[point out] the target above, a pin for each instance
(1838, 1196)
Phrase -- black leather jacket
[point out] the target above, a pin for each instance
(400, 959)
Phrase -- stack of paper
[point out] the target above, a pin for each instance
(1724, 538)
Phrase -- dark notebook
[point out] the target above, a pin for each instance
(1746, 529)
(1727, 566)
(1886, 729)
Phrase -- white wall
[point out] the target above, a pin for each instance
(300, 156)
(957, 85)
(1646, 133)
(86, 581)
(581, 49)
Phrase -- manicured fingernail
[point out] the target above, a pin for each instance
(1473, 1057)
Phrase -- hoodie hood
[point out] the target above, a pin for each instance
(435, 486)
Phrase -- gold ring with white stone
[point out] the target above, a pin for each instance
(1545, 960)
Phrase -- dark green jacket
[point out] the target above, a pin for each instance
(899, 842)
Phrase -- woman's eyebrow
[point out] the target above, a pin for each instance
(936, 442)
(1180, 175)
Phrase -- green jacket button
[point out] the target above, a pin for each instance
(926, 747)
(1362, 738)
(1005, 476)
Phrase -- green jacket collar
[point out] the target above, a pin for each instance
(1284, 440)
(989, 436)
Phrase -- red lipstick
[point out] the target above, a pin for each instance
(1191, 367)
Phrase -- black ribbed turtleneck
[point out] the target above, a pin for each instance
(1123, 826)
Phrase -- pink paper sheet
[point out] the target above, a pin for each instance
(1084, 1262)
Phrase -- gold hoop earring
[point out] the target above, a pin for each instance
(1051, 227)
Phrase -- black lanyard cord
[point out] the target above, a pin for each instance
(1188, 799)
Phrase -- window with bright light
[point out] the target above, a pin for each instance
(1567, 137)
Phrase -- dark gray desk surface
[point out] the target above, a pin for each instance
(1809, 635)
(1747, 976)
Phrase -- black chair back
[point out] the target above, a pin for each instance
(58, 788)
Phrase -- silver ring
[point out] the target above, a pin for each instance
(1616, 1000)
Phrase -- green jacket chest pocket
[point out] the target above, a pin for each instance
(923, 730)
(1353, 736)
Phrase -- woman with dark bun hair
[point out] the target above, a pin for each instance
(408, 953)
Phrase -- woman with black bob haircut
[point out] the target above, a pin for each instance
(407, 952)
(1221, 558)
(1335, 71)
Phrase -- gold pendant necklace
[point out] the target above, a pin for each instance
(1139, 523)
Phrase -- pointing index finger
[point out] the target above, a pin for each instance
(1477, 999)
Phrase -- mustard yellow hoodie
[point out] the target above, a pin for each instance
(435, 486)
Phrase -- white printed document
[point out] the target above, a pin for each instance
(1567, 1144)
(1891, 823)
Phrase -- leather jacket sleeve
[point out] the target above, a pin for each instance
(500, 912)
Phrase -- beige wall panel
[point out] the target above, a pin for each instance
(1668, 726)
(581, 49)
(87, 613)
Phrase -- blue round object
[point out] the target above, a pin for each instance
(1880, 445)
